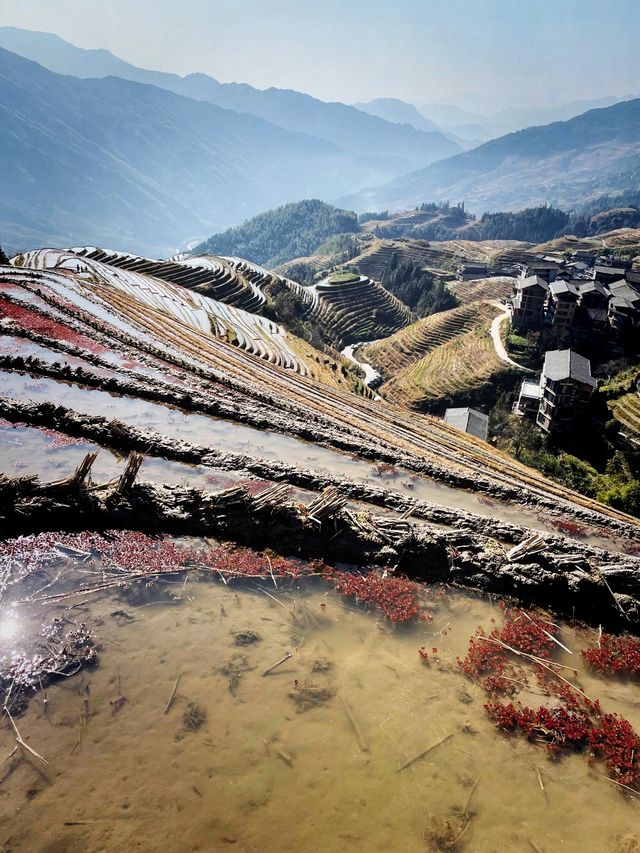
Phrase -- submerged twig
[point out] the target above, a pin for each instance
(465, 809)
(173, 694)
(278, 663)
(21, 742)
(354, 725)
(424, 752)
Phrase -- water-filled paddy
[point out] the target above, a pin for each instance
(266, 771)
(239, 438)
(52, 456)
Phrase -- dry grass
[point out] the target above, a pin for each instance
(497, 287)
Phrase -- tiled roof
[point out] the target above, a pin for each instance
(468, 420)
(531, 281)
(567, 364)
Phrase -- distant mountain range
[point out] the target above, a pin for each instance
(98, 151)
(396, 149)
(471, 128)
(109, 161)
(400, 112)
(564, 164)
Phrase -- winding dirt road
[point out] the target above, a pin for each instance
(499, 347)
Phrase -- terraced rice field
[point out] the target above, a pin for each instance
(261, 390)
(123, 296)
(394, 354)
(229, 280)
(353, 311)
(447, 371)
(626, 409)
(498, 287)
(438, 257)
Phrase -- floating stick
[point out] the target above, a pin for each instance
(277, 601)
(271, 571)
(354, 725)
(626, 787)
(541, 663)
(173, 694)
(424, 752)
(550, 636)
(278, 663)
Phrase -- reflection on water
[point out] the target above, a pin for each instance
(305, 758)
(238, 438)
(27, 450)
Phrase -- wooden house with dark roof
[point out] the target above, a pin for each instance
(566, 385)
(528, 300)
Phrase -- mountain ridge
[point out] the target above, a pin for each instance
(403, 147)
(110, 160)
(563, 163)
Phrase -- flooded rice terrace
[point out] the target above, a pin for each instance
(256, 714)
(234, 437)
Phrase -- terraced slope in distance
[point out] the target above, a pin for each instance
(439, 257)
(353, 310)
(495, 288)
(448, 372)
(126, 293)
(626, 409)
(231, 281)
(395, 353)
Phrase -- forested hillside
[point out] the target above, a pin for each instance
(291, 231)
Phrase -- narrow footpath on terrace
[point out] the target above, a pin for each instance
(501, 352)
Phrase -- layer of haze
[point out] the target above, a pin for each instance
(417, 50)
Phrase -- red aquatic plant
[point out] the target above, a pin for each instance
(47, 326)
(489, 660)
(395, 598)
(618, 744)
(555, 727)
(569, 528)
(576, 722)
(615, 655)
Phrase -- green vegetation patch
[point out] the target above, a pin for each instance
(294, 230)
(342, 277)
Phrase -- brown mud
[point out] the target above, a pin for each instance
(572, 579)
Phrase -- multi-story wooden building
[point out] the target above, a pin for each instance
(566, 385)
(528, 302)
(561, 305)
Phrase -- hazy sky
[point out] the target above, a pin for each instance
(350, 50)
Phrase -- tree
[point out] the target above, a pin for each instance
(3, 256)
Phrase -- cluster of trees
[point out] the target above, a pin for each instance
(285, 307)
(292, 231)
(534, 224)
(3, 256)
(417, 288)
(606, 213)
(371, 216)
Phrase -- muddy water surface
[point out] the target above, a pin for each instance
(264, 773)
